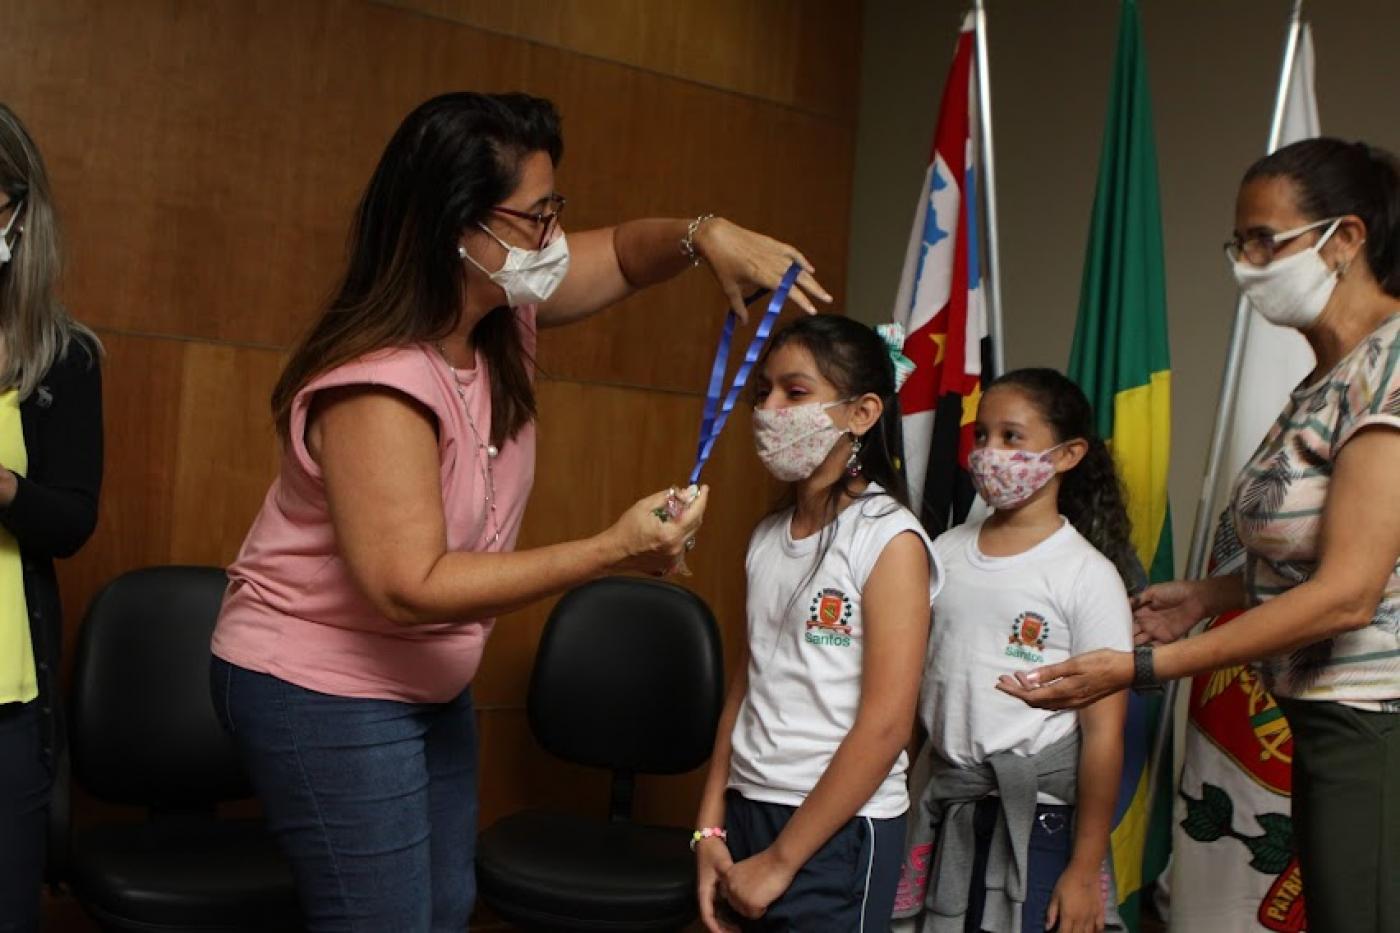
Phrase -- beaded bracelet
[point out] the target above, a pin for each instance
(688, 241)
(709, 832)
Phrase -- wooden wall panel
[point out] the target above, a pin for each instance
(228, 451)
(189, 455)
(793, 52)
(218, 207)
(141, 402)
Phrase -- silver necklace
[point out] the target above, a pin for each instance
(482, 447)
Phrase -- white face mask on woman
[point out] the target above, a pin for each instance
(1291, 291)
(528, 276)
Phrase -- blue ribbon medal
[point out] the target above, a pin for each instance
(717, 413)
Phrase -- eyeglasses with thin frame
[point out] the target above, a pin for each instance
(1259, 249)
(545, 219)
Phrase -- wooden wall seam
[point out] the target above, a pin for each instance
(657, 72)
(799, 54)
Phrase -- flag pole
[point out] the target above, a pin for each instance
(1224, 413)
(1229, 385)
(992, 277)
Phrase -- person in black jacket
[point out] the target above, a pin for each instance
(50, 474)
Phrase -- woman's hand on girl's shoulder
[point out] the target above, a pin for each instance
(712, 860)
(1164, 612)
(1077, 903)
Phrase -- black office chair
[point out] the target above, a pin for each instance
(629, 677)
(144, 733)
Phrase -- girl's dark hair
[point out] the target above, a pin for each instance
(1091, 494)
(1335, 178)
(855, 360)
(451, 160)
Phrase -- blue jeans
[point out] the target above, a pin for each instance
(1052, 843)
(25, 782)
(374, 801)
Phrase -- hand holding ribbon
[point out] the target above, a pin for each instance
(743, 261)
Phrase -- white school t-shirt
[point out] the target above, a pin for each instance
(1000, 615)
(805, 652)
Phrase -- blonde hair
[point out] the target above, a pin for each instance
(35, 329)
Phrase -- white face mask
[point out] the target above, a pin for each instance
(793, 442)
(5, 234)
(1291, 291)
(528, 276)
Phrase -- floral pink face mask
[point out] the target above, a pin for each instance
(1006, 478)
(793, 442)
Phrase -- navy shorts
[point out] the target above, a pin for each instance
(848, 886)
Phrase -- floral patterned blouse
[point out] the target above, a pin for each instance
(1277, 511)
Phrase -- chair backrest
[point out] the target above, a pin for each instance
(143, 726)
(629, 676)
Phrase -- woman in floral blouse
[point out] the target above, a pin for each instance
(1316, 247)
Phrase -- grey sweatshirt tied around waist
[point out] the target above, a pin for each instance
(944, 812)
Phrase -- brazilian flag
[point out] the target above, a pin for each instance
(1120, 359)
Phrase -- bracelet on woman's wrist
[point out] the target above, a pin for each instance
(688, 241)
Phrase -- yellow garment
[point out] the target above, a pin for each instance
(18, 682)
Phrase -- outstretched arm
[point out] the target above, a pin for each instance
(611, 263)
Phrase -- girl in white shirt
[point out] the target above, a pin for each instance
(802, 822)
(1016, 816)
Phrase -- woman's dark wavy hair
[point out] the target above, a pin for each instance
(1335, 178)
(854, 359)
(451, 160)
(1091, 495)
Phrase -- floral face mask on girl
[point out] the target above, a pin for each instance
(1006, 478)
(793, 442)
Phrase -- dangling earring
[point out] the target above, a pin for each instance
(853, 464)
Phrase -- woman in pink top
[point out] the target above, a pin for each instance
(359, 605)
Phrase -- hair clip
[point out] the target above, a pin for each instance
(893, 336)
